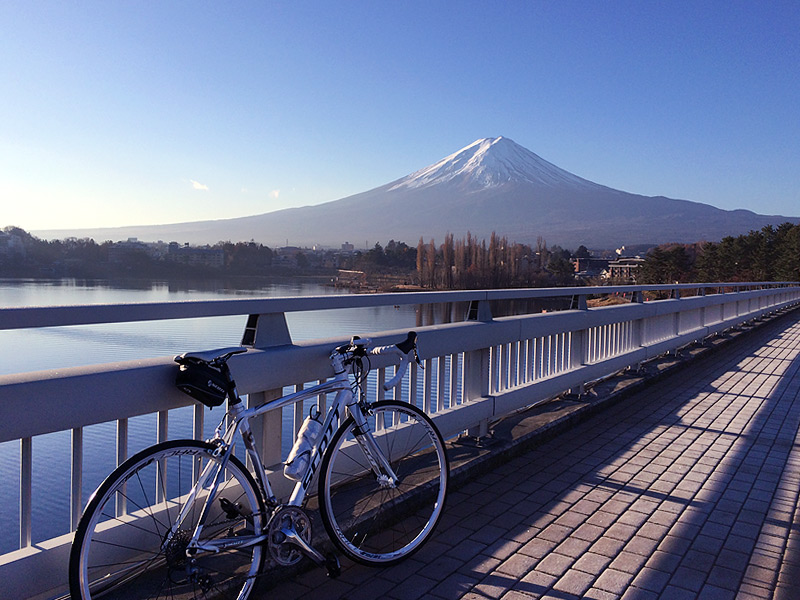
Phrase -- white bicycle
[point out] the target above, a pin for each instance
(187, 519)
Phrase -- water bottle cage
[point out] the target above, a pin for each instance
(360, 429)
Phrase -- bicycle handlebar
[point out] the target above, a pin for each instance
(403, 350)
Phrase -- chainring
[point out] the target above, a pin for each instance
(283, 551)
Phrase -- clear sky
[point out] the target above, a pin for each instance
(128, 113)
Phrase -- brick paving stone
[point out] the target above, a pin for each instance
(401, 571)
(602, 519)
(522, 533)
(633, 518)
(454, 586)
(607, 547)
(556, 595)
(375, 588)
(765, 561)
(733, 560)
(724, 577)
(586, 507)
(633, 593)
(555, 533)
(716, 530)
(573, 547)
(574, 582)
(641, 546)
(537, 548)
(555, 564)
(494, 585)
(653, 530)
(588, 532)
(651, 580)
(515, 595)
(592, 563)
(708, 544)
(688, 578)
(628, 562)
(759, 576)
(518, 565)
(536, 583)
(502, 549)
(570, 519)
(488, 534)
(739, 543)
(711, 592)
(597, 594)
(675, 545)
(700, 561)
(613, 581)
(676, 593)
(466, 550)
(415, 586)
(443, 564)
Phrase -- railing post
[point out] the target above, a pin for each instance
(76, 478)
(122, 455)
(162, 422)
(637, 331)
(579, 348)
(477, 367)
(25, 491)
(264, 331)
(476, 384)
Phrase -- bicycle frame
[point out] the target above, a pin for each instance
(239, 417)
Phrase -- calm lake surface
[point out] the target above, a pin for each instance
(59, 347)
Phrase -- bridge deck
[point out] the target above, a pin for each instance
(686, 489)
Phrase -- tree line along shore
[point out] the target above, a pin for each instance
(770, 254)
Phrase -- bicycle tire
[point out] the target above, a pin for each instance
(124, 555)
(376, 524)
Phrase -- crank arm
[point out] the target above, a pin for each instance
(292, 537)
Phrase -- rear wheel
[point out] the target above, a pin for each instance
(375, 520)
(129, 544)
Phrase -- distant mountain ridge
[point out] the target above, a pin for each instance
(490, 185)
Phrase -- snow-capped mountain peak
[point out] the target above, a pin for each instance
(492, 162)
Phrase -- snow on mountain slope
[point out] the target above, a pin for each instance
(491, 162)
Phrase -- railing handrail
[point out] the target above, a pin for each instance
(88, 314)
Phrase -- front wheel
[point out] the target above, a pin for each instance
(377, 520)
(132, 538)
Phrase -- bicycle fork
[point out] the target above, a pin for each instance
(378, 462)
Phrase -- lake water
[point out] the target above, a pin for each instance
(58, 347)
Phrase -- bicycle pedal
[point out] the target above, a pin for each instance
(333, 566)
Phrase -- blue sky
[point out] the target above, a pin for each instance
(126, 113)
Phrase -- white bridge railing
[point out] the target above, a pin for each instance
(476, 372)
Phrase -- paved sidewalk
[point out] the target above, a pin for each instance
(687, 489)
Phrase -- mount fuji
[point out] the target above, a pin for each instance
(491, 185)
